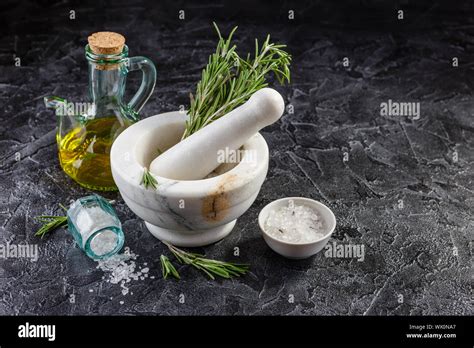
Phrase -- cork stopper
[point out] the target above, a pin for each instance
(106, 42)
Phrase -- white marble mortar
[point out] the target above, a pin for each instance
(185, 212)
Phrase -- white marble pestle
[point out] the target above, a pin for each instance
(197, 155)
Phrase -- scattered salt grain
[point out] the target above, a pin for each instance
(121, 302)
(91, 290)
(124, 289)
(295, 224)
(122, 269)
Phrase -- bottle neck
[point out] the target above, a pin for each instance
(106, 84)
(107, 76)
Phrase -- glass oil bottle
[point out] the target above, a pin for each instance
(86, 131)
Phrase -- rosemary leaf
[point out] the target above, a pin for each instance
(167, 268)
(228, 81)
(148, 180)
(50, 223)
(210, 267)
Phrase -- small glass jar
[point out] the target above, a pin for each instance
(95, 226)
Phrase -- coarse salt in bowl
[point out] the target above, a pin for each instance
(296, 227)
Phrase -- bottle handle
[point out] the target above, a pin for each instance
(148, 81)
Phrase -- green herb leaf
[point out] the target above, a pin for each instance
(167, 268)
(50, 223)
(210, 267)
(148, 180)
(228, 81)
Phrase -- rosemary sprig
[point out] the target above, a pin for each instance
(167, 268)
(228, 80)
(50, 222)
(148, 180)
(209, 266)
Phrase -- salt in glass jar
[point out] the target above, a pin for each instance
(95, 226)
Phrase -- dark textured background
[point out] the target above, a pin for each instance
(421, 251)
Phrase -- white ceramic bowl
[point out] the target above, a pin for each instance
(298, 250)
(184, 212)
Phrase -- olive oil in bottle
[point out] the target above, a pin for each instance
(84, 152)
